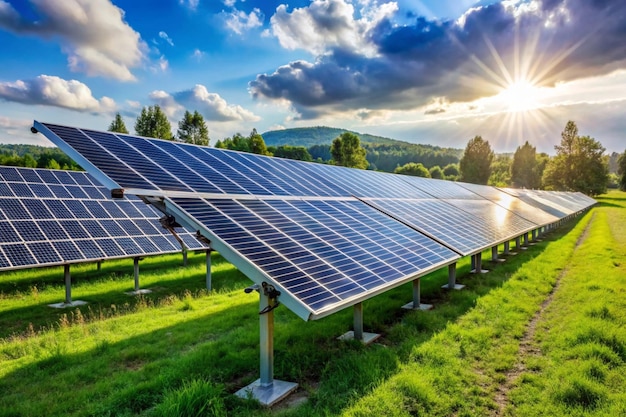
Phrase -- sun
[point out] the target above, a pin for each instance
(520, 95)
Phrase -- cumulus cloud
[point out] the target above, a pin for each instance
(327, 24)
(368, 60)
(238, 21)
(191, 4)
(210, 105)
(93, 33)
(50, 90)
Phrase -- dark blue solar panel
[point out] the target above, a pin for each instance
(4, 262)
(113, 209)
(65, 177)
(110, 248)
(90, 249)
(74, 229)
(93, 193)
(129, 246)
(45, 253)
(101, 157)
(19, 254)
(5, 190)
(9, 174)
(81, 179)
(28, 230)
(113, 228)
(58, 209)
(48, 176)
(14, 209)
(68, 250)
(21, 190)
(130, 227)
(76, 191)
(96, 209)
(167, 242)
(8, 233)
(30, 176)
(78, 209)
(41, 190)
(60, 191)
(322, 252)
(94, 228)
(146, 244)
(53, 230)
(129, 209)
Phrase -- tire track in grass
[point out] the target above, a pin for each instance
(527, 347)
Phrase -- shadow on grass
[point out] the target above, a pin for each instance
(132, 375)
(18, 321)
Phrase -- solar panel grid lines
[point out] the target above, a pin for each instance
(42, 230)
(322, 252)
(87, 152)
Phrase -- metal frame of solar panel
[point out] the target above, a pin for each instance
(52, 218)
(318, 235)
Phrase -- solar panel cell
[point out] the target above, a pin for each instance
(68, 250)
(45, 253)
(19, 254)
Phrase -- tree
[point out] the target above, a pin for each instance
(451, 172)
(299, 153)
(251, 144)
(153, 123)
(436, 172)
(525, 168)
(347, 151)
(192, 129)
(414, 169)
(579, 164)
(500, 171)
(621, 171)
(117, 125)
(475, 165)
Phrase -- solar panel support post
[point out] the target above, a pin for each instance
(209, 284)
(68, 284)
(137, 290)
(494, 255)
(525, 239)
(266, 390)
(478, 264)
(68, 291)
(417, 304)
(452, 285)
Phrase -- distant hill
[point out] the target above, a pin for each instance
(317, 135)
(383, 154)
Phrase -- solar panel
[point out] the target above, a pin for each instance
(533, 198)
(325, 254)
(509, 202)
(53, 217)
(300, 225)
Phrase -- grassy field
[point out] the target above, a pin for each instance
(541, 334)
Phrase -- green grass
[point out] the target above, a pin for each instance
(182, 351)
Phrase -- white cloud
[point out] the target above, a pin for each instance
(197, 54)
(166, 38)
(191, 4)
(18, 131)
(238, 21)
(212, 106)
(50, 90)
(327, 24)
(167, 103)
(93, 34)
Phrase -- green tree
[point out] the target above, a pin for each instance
(153, 123)
(500, 171)
(117, 125)
(579, 164)
(193, 129)
(475, 164)
(436, 172)
(451, 172)
(525, 168)
(347, 151)
(621, 171)
(251, 144)
(414, 169)
(299, 153)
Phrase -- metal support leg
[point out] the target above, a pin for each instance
(478, 261)
(184, 258)
(266, 389)
(494, 255)
(209, 284)
(416, 304)
(68, 291)
(452, 285)
(358, 333)
(518, 243)
(137, 290)
(525, 239)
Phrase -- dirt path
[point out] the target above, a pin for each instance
(527, 346)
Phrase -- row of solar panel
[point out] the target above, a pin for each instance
(327, 236)
(49, 226)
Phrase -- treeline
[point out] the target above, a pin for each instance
(32, 156)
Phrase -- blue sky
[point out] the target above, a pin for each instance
(425, 71)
